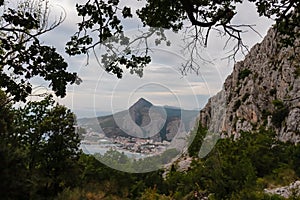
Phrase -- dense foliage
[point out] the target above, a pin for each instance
(40, 156)
(233, 170)
(23, 56)
(104, 23)
(39, 150)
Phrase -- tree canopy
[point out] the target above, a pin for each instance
(103, 23)
(23, 56)
(39, 149)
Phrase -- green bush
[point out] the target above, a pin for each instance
(236, 105)
(243, 74)
(273, 91)
(245, 97)
(278, 103)
(197, 137)
(280, 113)
(297, 72)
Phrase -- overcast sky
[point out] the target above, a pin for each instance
(162, 83)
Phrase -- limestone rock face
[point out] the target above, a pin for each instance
(286, 191)
(263, 90)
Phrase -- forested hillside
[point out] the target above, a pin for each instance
(54, 168)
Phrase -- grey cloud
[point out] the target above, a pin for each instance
(103, 92)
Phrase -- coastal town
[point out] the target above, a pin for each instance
(134, 145)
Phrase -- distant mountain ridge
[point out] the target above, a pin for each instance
(145, 120)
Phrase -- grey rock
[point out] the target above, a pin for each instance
(286, 191)
(245, 103)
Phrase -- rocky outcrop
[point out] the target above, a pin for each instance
(292, 190)
(263, 90)
(139, 112)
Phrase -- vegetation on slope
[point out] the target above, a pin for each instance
(44, 162)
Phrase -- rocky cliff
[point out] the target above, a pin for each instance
(263, 90)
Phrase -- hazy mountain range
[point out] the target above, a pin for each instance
(143, 120)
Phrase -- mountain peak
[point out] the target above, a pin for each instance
(141, 103)
(143, 100)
